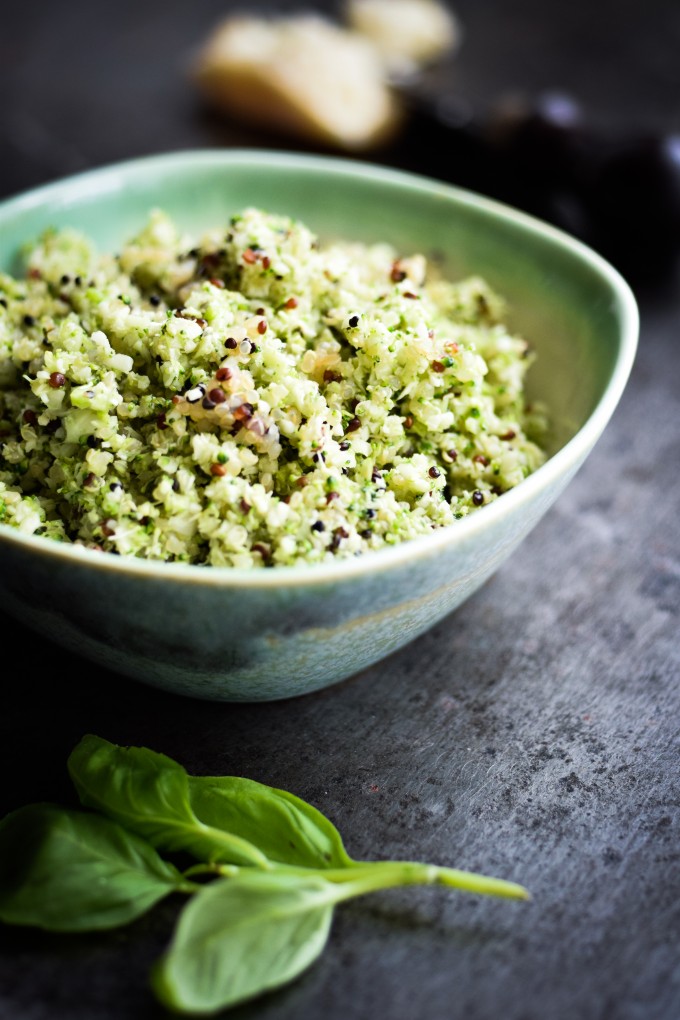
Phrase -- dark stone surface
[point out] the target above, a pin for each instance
(533, 734)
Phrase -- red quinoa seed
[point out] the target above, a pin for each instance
(243, 412)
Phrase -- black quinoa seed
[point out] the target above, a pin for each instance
(477, 497)
(29, 320)
(433, 472)
(353, 424)
(154, 300)
(208, 404)
(231, 344)
(354, 321)
(318, 526)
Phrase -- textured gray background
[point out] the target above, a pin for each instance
(533, 734)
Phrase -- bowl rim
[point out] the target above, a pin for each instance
(95, 181)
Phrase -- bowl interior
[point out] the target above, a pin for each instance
(559, 297)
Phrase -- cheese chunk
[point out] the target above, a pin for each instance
(300, 75)
(408, 33)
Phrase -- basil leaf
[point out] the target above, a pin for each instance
(241, 937)
(285, 828)
(71, 871)
(148, 793)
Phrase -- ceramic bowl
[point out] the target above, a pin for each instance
(237, 635)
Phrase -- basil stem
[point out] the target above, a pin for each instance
(368, 876)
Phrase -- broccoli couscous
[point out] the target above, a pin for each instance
(252, 398)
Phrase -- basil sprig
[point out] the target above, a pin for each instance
(270, 870)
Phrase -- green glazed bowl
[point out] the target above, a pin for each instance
(237, 635)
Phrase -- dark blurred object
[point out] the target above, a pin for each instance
(542, 139)
(620, 193)
(633, 202)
